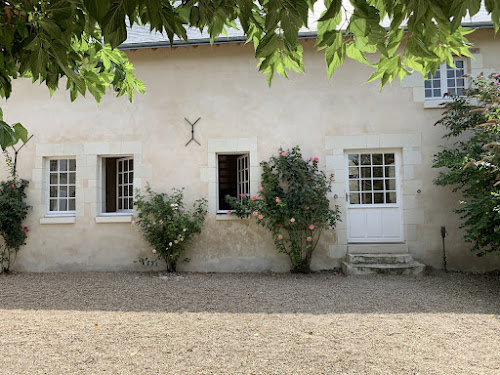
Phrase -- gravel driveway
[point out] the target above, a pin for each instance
(131, 323)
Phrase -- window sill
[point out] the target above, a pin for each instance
(434, 104)
(116, 218)
(226, 217)
(58, 220)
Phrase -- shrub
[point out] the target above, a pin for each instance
(166, 225)
(13, 210)
(292, 204)
(473, 163)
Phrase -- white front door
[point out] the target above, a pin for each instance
(373, 197)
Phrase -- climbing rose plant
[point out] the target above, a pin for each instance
(472, 164)
(292, 204)
(167, 225)
(13, 210)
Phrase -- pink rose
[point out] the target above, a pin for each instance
(280, 237)
(254, 197)
(315, 158)
(309, 239)
(175, 241)
(277, 200)
(311, 227)
(261, 188)
(260, 217)
(255, 213)
(287, 149)
(283, 154)
(286, 182)
(242, 195)
(307, 207)
(310, 158)
(26, 230)
(153, 251)
(228, 212)
(12, 186)
(292, 220)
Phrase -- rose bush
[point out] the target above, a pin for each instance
(166, 225)
(292, 204)
(13, 210)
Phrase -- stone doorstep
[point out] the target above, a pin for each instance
(379, 258)
(411, 268)
(377, 248)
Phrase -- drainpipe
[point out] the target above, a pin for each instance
(443, 235)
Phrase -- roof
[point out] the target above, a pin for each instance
(141, 37)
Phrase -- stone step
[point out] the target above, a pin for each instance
(412, 268)
(379, 258)
(377, 248)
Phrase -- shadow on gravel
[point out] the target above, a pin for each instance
(322, 293)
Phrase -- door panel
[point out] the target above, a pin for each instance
(373, 194)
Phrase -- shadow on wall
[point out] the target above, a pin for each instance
(323, 293)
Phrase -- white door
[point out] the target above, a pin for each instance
(373, 197)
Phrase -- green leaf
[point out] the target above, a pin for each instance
(356, 54)
(332, 11)
(267, 45)
(97, 8)
(7, 136)
(21, 132)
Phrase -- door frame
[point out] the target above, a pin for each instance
(399, 196)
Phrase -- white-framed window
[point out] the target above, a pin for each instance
(372, 178)
(447, 79)
(233, 178)
(117, 184)
(61, 186)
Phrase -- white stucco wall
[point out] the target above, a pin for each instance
(221, 85)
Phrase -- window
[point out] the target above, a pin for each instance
(118, 184)
(446, 80)
(62, 180)
(372, 178)
(233, 178)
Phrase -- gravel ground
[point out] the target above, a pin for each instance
(131, 323)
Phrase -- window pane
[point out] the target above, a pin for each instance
(436, 92)
(72, 178)
(367, 198)
(63, 206)
(72, 192)
(366, 172)
(428, 93)
(63, 178)
(366, 185)
(63, 165)
(354, 185)
(53, 165)
(53, 179)
(131, 177)
(388, 159)
(378, 171)
(366, 159)
(72, 165)
(459, 64)
(460, 82)
(452, 91)
(125, 178)
(390, 184)
(125, 204)
(427, 84)
(53, 191)
(120, 192)
(353, 159)
(438, 74)
(71, 204)
(377, 159)
(378, 184)
(353, 172)
(437, 84)
(53, 205)
(378, 198)
(120, 166)
(120, 179)
(450, 73)
(451, 83)
(63, 191)
(119, 204)
(390, 172)
(131, 203)
(390, 197)
(354, 198)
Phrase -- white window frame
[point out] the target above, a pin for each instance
(129, 184)
(242, 183)
(101, 211)
(443, 89)
(67, 212)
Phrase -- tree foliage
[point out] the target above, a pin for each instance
(473, 164)
(292, 204)
(77, 39)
